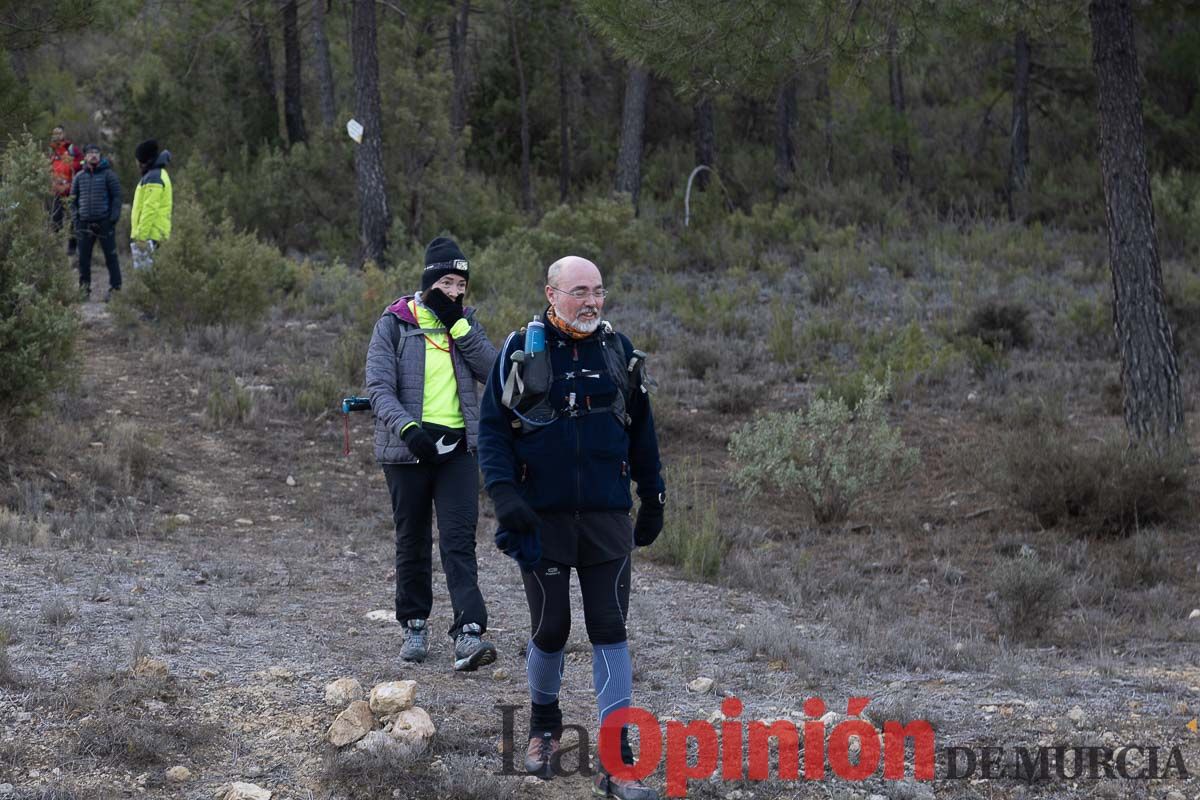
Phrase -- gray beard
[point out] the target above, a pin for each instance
(586, 327)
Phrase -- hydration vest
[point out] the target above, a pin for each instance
(527, 384)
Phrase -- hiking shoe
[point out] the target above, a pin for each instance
(112, 291)
(537, 758)
(471, 652)
(416, 640)
(606, 785)
(85, 292)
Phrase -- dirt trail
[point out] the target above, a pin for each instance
(225, 601)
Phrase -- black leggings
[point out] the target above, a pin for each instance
(605, 590)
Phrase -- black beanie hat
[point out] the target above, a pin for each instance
(443, 257)
(146, 152)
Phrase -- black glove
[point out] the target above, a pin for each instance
(524, 548)
(649, 521)
(420, 443)
(512, 512)
(446, 310)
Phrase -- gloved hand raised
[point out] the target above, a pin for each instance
(649, 521)
(420, 443)
(446, 310)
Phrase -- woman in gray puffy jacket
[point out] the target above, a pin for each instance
(425, 357)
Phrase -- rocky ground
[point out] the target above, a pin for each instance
(195, 652)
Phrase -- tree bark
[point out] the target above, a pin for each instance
(293, 89)
(1018, 165)
(526, 176)
(900, 155)
(825, 102)
(266, 112)
(458, 25)
(324, 66)
(785, 146)
(1153, 401)
(374, 213)
(705, 138)
(633, 127)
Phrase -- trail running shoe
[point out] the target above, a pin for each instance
(416, 640)
(606, 785)
(537, 758)
(470, 651)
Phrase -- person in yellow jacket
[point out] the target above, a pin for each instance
(151, 218)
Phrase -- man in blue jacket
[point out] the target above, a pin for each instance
(559, 476)
(96, 193)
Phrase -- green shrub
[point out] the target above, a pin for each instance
(1102, 486)
(1029, 595)
(782, 343)
(697, 359)
(693, 537)
(908, 356)
(229, 403)
(830, 454)
(1182, 293)
(207, 276)
(1089, 324)
(1177, 210)
(831, 271)
(37, 323)
(1001, 326)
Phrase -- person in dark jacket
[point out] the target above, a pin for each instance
(425, 357)
(560, 482)
(96, 193)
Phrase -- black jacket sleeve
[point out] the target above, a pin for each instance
(114, 195)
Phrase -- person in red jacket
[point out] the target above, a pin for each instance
(65, 161)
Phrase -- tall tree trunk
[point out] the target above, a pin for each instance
(825, 103)
(324, 66)
(900, 155)
(1149, 371)
(1018, 164)
(293, 89)
(374, 213)
(705, 138)
(633, 126)
(564, 107)
(458, 66)
(785, 146)
(266, 111)
(526, 176)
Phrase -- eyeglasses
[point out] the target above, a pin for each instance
(580, 294)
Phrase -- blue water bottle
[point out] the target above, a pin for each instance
(535, 336)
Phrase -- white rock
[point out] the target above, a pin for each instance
(830, 719)
(281, 674)
(500, 674)
(878, 797)
(243, 522)
(412, 727)
(1195, 614)
(242, 791)
(179, 774)
(1076, 716)
(1175, 794)
(182, 519)
(381, 615)
(7, 790)
(351, 725)
(291, 481)
(393, 697)
(343, 692)
(701, 685)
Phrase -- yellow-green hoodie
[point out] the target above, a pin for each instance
(152, 202)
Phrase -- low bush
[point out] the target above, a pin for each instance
(1001, 326)
(1029, 595)
(206, 275)
(1104, 487)
(693, 537)
(831, 454)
